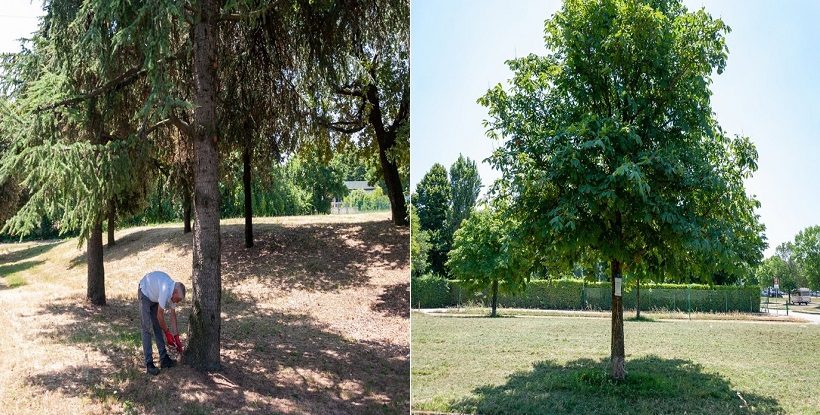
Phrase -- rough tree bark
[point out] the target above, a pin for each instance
(96, 269)
(638, 299)
(246, 184)
(617, 357)
(495, 297)
(204, 322)
(386, 139)
(95, 289)
(112, 223)
(186, 210)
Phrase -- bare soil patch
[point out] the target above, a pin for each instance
(315, 320)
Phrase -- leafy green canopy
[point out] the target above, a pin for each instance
(612, 146)
(486, 248)
(807, 252)
(432, 203)
(432, 198)
(70, 145)
(465, 185)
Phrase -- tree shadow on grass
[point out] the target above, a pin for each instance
(177, 243)
(394, 301)
(28, 253)
(272, 362)
(314, 257)
(6, 270)
(653, 386)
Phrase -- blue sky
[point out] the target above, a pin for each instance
(18, 18)
(770, 90)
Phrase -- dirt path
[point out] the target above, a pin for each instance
(315, 320)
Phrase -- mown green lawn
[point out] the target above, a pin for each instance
(558, 365)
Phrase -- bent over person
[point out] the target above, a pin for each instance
(157, 293)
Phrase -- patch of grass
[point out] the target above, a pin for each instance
(191, 408)
(15, 281)
(113, 335)
(643, 318)
(8, 271)
(559, 365)
(15, 252)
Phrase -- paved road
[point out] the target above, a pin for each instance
(814, 318)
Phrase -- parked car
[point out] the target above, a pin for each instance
(801, 296)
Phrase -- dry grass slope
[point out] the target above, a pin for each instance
(315, 320)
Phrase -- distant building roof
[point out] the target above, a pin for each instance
(359, 185)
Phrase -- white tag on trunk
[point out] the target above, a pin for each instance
(617, 287)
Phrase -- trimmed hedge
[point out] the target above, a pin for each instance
(429, 291)
(571, 294)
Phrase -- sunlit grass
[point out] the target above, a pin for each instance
(558, 365)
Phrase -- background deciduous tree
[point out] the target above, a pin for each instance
(488, 253)
(807, 253)
(611, 144)
(419, 245)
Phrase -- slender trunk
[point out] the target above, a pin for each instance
(617, 341)
(495, 297)
(638, 300)
(204, 321)
(95, 289)
(186, 210)
(96, 269)
(386, 140)
(246, 184)
(112, 223)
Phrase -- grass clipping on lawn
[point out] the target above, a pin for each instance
(314, 320)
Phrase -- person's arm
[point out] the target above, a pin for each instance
(161, 319)
(174, 322)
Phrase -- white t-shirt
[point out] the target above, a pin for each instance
(158, 287)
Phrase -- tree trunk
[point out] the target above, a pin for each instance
(246, 184)
(495, 297)
(617, 341)
(204, 321)
(386, 139)
(96, 269)
(112, 223)
(638, 300)
(186, 210)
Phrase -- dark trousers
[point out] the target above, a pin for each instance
(149, 323)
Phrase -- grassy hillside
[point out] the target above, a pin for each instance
(315, 320)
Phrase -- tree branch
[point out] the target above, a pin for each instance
(235, 17)
(339, 126)
(117, 83)
(182, 126)
(404, 111)
(125, 79)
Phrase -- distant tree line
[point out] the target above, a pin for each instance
(795, 264)
(440, 204)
